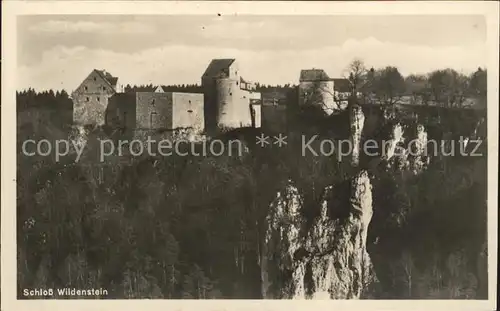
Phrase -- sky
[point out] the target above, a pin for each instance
(59, 51)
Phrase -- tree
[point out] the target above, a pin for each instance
(416, 86)
(408, 265)
(478, 85)
(369, 85)
(319, 95)
(389, 85)
(356, 74)
(448, 87)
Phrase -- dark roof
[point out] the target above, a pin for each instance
(108, 77)
(341, 85)
(313, 75)
(217, 66)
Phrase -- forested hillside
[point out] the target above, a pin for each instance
(193, 227)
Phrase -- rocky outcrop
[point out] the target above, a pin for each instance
(79, 135)
(356, 121)
(418, 151)
(282, 240)
(393, 147)
(325, 260)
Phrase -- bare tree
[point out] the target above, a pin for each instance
(356, 73)
(408, 265)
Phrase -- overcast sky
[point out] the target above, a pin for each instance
(60, 51)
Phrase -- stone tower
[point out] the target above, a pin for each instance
(228, 98)
(317, 88)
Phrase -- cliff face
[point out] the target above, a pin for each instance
(419, 156)
(326, 257)
(79, 135)
(324, 260)
(356, 121)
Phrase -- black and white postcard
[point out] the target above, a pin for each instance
(239, 156)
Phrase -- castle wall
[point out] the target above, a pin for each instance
(153, 110)
(210, 109)
(274, 118)
(121, 111)
(188, 111)
(233, 105)
(250, 95)
(90, 100)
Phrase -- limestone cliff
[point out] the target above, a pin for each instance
(356, 121)
(79, 135)
(326, 260)
(419, 156)
(394, 153)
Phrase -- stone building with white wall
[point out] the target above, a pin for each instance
(230, 101)
(316, 88)
(90, 98)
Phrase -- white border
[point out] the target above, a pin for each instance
(10, 9)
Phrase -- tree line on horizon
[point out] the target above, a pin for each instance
(385, 85)
(446, 87)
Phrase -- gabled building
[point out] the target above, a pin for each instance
(90, 98)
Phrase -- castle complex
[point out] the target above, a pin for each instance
(228, 101)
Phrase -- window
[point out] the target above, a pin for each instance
(190, 102)
(153, 103)
(152, 119)
(85, 88)
(87, 99)
(104, 88)
(95, 79)
(98, 99)
(190, 111)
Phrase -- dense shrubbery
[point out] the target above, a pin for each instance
(191, 227)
